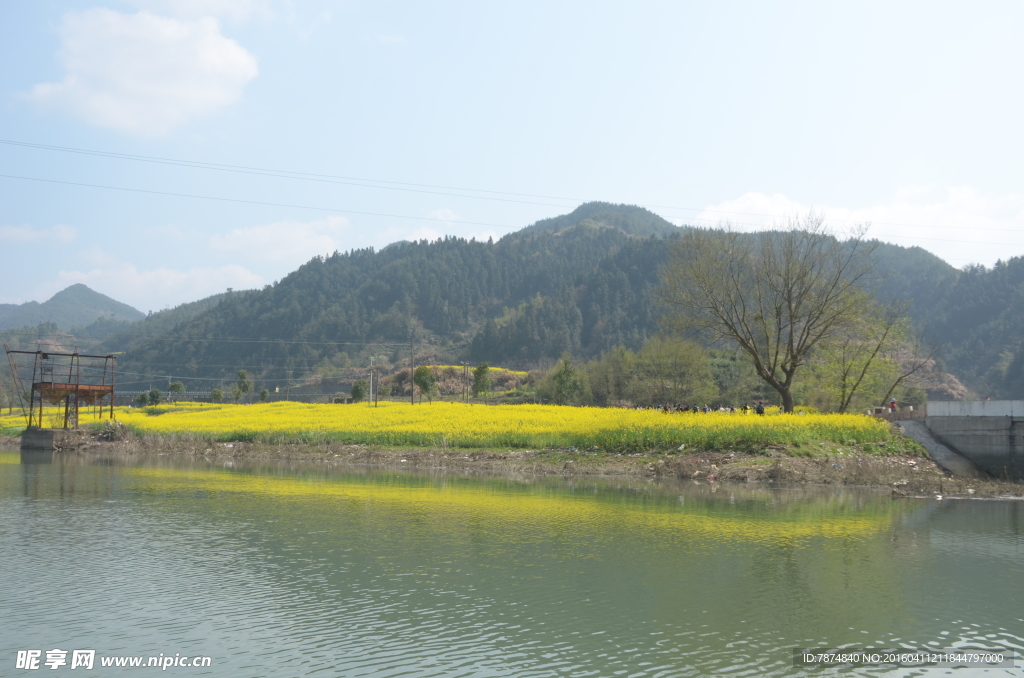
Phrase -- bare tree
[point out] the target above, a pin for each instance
(915, 365)
(775, 294)
(863, 352)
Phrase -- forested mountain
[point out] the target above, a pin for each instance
(444, 290)
(979, 328)
(628, 219)
(74, 306)
(580, 283)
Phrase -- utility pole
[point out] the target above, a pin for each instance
(412, 373)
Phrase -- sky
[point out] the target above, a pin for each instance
(160, 151)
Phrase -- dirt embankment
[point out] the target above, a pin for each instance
(907, 474)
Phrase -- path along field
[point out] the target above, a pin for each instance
(515, 426)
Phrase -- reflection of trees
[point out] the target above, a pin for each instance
(826, 587)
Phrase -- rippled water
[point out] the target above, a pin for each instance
(279, 570)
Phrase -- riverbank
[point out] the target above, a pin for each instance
(900, 465)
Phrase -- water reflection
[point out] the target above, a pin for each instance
(286, 569)
(29, 457)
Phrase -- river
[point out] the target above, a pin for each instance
(277, 569)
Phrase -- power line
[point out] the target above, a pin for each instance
(962, 242)
(375, 342)
(708, 223)
(273, 172)
(401, 216)
(398, 185)
(278, 174)
(477, 223)
(164, 375)
(249, 202)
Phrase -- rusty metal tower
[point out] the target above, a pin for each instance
(58, 380)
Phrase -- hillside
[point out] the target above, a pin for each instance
(155, 325)
(75, 306)
(445, 290)
(580, 283)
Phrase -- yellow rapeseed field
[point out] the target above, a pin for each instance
(493, 369)
(519, 426)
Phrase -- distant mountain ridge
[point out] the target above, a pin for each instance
(580, 282)
(74, 306)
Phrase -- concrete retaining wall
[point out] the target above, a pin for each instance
(989, 432)
(976, 408)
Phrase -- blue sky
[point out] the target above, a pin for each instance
(489, 116)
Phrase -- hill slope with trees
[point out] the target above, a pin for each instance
(580, 283)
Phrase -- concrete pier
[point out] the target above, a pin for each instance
(990, 433)
(38, 439)
(35, 439)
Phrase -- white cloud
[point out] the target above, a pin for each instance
(237, 10)
(155, 288)
(388, 39)
(960, 224)
(142, 73)
(291, 242)
(444, 214)
(58, 235)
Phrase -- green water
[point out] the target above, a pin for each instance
(290, 570)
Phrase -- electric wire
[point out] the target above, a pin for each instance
(250, 202)
(374, 342)
(435, 219)
(272, 172)
(397, 185)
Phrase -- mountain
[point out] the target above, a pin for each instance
(627, 219)
(978, 327)
(581, 283)
(75, 306)
(155, 325)
(335, 305)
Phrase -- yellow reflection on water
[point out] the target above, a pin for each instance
(530, 507)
